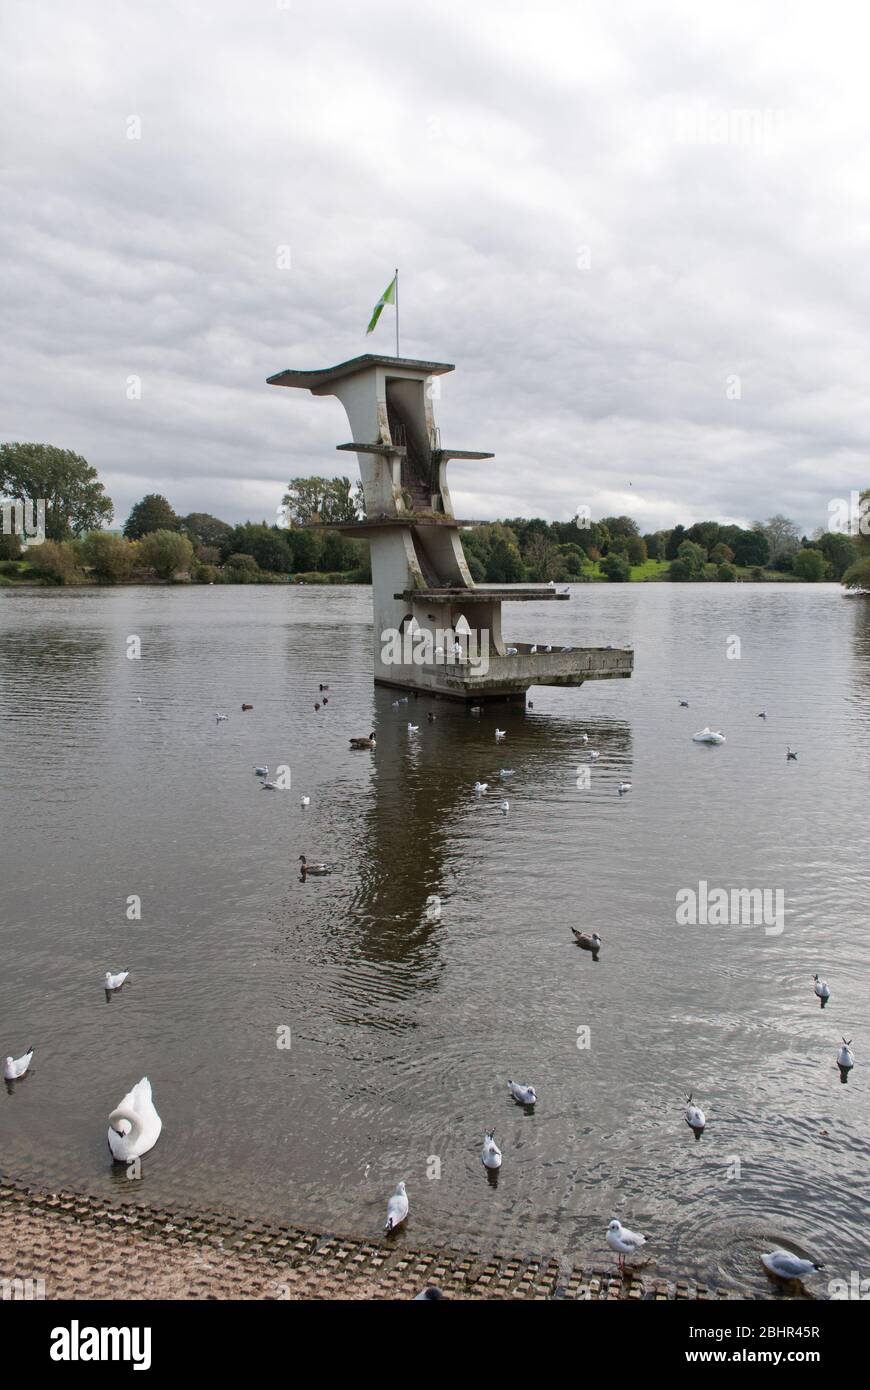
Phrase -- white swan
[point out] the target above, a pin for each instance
(523, 1095)
(134, 1125)
(115, 981)
(16, 1066)
(397, 1208)
(490, 1153)
(782, 1264)
(709, 736)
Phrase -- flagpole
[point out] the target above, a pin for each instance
(397, 311)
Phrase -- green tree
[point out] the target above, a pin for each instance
(166, 552)
(505, 565)
(110, 557)
(837, 549)
(543, 559)
(721, 554)
(615, 567)
(205, 529)
(751, 548)
(315, 499)
(75, 499)
(306, 549)
(153, 513)
(56, 560)
(726, 574)
(675, 540)
(809, 565)
(10, 546)
(689, 563)
(782, 535)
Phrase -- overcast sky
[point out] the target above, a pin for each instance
(640, 232)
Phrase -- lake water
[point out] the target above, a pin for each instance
(404, 1033)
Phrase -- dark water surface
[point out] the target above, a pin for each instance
(404, 1033)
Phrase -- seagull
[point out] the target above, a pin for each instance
(695, 1117)
(490, 1153)
(16, 1066)
(480, 787)
(500, 735)
(428, 1295)
(708, 735)
(306, 868)
(533, 649)
(306, 801)
(138, 699)
(395, 704)
(322, 687)
(789, 755)
(821, 989)
(270, 786)
(530, 705)
(219, 718)
(563, 592)
(593, 756)
(845, 1059)
(782, 1264)
(548, 648)
(413, 728)
(262, 771)
(584, 738)
(116, 981)
(762, 714)
(397, 1208)
(512, 651)
(523, 1095)
(567, 649)
(623, 788)
(433, 908)
(684, 704)
(504, 807)
(623, 1241)
(506, 772)
(589, 941)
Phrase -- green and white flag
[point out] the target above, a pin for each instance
(388, 297)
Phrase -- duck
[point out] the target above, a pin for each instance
(397, 1208)
(623, 1241)
(623, 788)
(708, 735)
(695, 1117)
(790, 757)
(134, 1125)
(316, 706)
(306, 868)
(588, 941)
(500, 735)
(326, 699)
(305, 801)
(820, 988)
(762, 714)
(782, 1264)
(490, 1153)
(115, 981)
(845, 1059)
(262, 771)
(530, 705)
(364, 742)
(523, 1095)
(431, 717)
(15, 1067)
(323, 687)
(245, 708)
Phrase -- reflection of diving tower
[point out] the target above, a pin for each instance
(420, 579)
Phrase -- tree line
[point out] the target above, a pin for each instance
(157, 541)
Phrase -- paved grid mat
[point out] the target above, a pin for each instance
(86, 1248)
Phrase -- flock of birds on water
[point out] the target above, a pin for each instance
(135, 1125)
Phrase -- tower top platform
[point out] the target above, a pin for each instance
(324, 376)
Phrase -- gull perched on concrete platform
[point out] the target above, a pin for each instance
(523, 1095)
(782, 1264)
(397, 1208)
(623, 1241)
(115, 981)
(15, 1067)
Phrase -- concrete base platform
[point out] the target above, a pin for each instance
(510, 677)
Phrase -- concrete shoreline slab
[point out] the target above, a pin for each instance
(85, 1247)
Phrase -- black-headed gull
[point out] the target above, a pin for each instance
(262, 771)
(845, 1059)
(490, 1153)
(397, 1208)
(524, 1095)
(115, 981)
(500, 735)
(782, 1264)
(695, 1117)
(820, 988)
(623, 1241)
(15, 1067)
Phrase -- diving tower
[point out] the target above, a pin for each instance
(435, 629)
